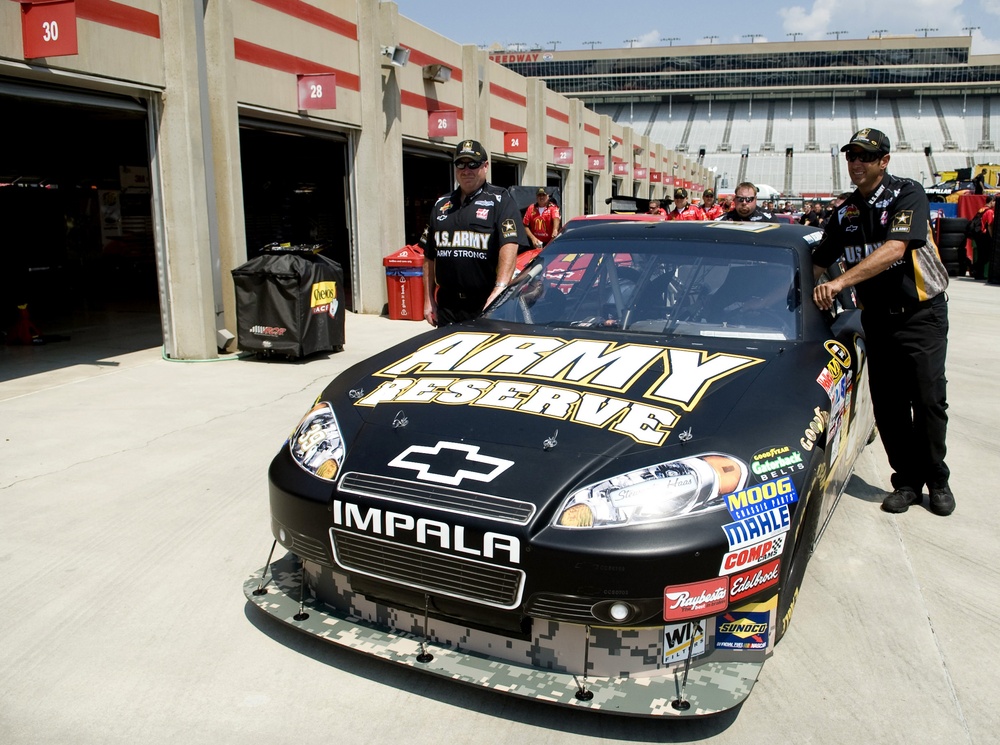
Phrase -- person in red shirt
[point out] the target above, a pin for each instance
(542, 219)
(712, 209)
(655, 208)
(982, 244)
(683, 209)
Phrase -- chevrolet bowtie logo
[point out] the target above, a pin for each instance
(450, 463)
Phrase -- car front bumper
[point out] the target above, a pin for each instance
(492, 660)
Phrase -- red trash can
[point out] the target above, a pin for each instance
(404, 283)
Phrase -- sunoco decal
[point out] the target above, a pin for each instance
(742, 630)
(518, 373)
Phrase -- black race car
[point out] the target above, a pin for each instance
(602, 493)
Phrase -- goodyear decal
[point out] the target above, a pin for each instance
(776, 462)
(761, 498)
(548, 376)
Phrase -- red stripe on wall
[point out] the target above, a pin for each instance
(557, 115)
(555, 141)
(313, 15)
(255, 54)
(501, 126)
(416, 101)
(507, 95)
(110, 13)
(591, 129)
(419, 58)
(590, 151)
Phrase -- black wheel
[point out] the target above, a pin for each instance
(952, 240)
(952, 225)
(954, 270)
(949, 254)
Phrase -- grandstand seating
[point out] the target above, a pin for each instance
(960, 132)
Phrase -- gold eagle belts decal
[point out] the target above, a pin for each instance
(522, 373)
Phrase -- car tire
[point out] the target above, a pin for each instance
(952, 240)
(794, 571)
(952, 225)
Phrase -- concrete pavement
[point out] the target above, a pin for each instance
(133, 505)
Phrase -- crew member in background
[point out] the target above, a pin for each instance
(810, 214)
(542, 220)
(712, 209)
(655, 208)
(982, 242)
(471, 245)
(683, 209)
(883, 231)
(745, 207)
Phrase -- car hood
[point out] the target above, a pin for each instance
(504, 410)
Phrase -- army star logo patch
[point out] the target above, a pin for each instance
(902, 221)
(507, 226)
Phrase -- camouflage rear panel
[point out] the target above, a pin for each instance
(625, 670)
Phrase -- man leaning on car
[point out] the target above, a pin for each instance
(883, 232)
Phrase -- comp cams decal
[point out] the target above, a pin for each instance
(518, 373)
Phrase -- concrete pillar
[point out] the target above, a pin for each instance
(572, 196)
(185, 162)
(539, 151)
(475, 123)
(376, 167)
(602, 189)
(227, 160)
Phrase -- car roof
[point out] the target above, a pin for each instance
(713, 231)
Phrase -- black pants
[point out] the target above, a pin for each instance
(906, 357)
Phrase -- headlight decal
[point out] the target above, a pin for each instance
(656, 493)
(317, 445)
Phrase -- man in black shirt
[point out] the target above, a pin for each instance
(471, 243)
(745, 207)
(883, 232)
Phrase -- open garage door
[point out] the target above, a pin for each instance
(295, 190)
(77, 245)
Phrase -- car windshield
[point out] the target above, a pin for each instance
(658, 287)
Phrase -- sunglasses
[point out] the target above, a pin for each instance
(863, 157)
(745, 200)
(461, 165)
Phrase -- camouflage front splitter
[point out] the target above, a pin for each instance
(710, 688)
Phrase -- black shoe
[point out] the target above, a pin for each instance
(900, 499)
(942, 501)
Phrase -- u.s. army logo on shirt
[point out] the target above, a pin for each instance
(902, 221)
(507, 227)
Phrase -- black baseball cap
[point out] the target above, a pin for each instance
(470, 149)
(871, 140)
(708, 193)
(680, 193)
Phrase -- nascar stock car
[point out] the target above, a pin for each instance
(602, 493)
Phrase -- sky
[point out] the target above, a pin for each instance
(551, 24)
